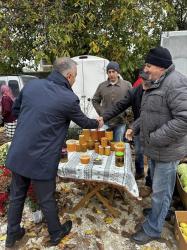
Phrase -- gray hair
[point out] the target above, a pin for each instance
(64, 65)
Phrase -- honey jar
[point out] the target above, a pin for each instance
(97, 147)
(84, 158)
(101, 150)
(71, 145)
(119, 159)
(119, 147)
(86, 133)
(94, 134)
(101, 133)
(112, 145)
(90, 144)
(78, 147)
(104, 141)
(107, 150)
(81, 138)
(109, 135)
(83, 147)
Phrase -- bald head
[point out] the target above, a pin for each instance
(67, 67)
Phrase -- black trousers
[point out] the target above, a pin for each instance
(45, 192)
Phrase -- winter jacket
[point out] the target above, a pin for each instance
(132, 98)
(44, 108)
(163, 118)
(106, 95)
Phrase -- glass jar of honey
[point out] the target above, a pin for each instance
(97, 147)
(112, 145)
(84, 158)
(109, 135)
(86, 133)
(71, 145)
(94, 134)
(119, 159)
(104, 141)
(107, 150)
(101, 150)
(90, 144)
(101, 133)
(83, 147)
(81, 138)
(119, 147)
(78, 147)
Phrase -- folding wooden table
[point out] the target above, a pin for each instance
(100, 177)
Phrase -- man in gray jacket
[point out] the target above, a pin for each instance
(163, 132)
(108, 93)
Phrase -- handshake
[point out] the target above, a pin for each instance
(129, 133)
(100, 121)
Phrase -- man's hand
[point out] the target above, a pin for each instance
(100, 120)
(129, 134)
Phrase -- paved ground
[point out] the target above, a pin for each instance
(93, 228)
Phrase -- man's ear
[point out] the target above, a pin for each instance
(68, 75)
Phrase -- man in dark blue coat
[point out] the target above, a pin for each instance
(44, 109)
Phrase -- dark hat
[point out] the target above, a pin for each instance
(113, 65)
(160, 57)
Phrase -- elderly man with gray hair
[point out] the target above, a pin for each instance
(44, 109)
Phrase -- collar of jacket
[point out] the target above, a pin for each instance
(58, 78)
(156, 84)
(117, 83)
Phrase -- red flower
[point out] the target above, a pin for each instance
(4, 171)
(3, 199)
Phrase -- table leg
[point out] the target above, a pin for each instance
(105, 202)
(87, 197)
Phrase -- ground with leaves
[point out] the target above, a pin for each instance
(93, 227)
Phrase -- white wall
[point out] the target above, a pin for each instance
(176, 42)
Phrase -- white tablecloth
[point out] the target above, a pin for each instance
(106, 173)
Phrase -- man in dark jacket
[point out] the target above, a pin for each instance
(163, 134)
(44, 108)
(133, 98)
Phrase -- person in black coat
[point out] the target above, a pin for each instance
(133, 98)
(44, 109)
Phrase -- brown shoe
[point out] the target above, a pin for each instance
(145, 191)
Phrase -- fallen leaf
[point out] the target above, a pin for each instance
(98, 234)
(70, 246)
(113, 230)
(91, 218)
(98, 211)
(149, 248)
(123, 222)
(89, 232)
(100, 245)
(108, 220)
(31, 234)
(65, 240)
(130, 209)
(125, 234)
(3, 237)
